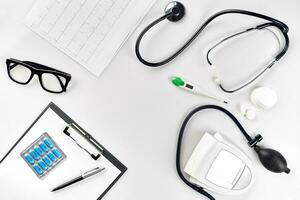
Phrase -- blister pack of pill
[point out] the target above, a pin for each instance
(43, 155)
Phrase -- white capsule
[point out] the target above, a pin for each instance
(250, 114)
(247, 112)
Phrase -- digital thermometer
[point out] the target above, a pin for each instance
(180, 82)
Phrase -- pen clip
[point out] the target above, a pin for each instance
(92, 172)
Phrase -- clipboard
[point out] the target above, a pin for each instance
(17, 181)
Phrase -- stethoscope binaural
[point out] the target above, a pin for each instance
(175, 11)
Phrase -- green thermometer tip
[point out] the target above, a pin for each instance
(177, 81)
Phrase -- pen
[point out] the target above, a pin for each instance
(79, 178)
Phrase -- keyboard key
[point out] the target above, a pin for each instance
(74, 48)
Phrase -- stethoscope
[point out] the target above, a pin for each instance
(175, 11)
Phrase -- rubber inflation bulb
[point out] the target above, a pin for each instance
(272, 160)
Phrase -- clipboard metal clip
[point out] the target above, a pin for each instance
(76, 128)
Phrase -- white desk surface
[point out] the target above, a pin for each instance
(135, 111)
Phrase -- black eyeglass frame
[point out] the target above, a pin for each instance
(39, 70)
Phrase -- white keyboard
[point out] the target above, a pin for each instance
(89, 31)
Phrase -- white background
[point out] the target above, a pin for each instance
(136, 113)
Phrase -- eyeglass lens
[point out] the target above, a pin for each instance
(52, 82)
(19, 73)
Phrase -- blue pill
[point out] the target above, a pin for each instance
(56, 153)
(48, 142)
(47, 161)
(37, 170)
(34, 154)
(43, 147)
(51, 156)
(38, 150)
(43, 165)
(29, 159)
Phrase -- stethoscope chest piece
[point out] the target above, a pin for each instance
(177, 9)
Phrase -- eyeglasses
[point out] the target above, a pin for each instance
(51, 80)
